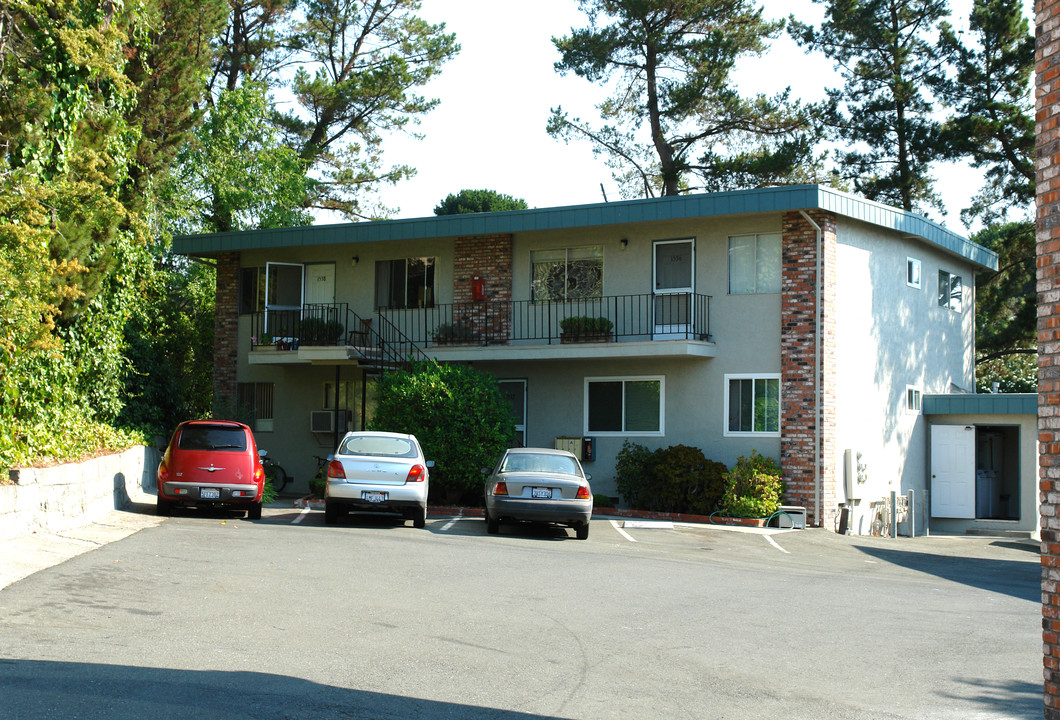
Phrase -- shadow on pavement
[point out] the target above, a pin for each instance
(1018, 579)
(33, 688)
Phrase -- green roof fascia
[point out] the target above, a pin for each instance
(981, 404)
(737, 202)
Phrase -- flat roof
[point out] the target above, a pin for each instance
(981, 404)
(737, 202)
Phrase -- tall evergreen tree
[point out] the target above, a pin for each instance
(885, 53)
(676, 116)
(992, 121)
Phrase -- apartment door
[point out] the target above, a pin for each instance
(673, 270)
(952, 471)
(284, 292)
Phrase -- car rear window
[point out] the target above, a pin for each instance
(212, 437)
(378, 445)
(528, 462)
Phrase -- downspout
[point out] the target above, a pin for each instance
(816, 378)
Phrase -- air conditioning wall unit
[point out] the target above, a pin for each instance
(323, 421)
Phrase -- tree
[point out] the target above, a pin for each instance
(1006, 306)
(459, 416)
(992, 122)
(675, 108)
(477, 201)
(358, 64)
(884, 52)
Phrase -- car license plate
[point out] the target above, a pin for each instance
(209, 493)
(545, 493)
(373, 497)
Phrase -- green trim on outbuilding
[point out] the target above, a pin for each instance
(981, 404)
(740, 202)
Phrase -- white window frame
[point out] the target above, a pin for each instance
(950, 298)
(757, 269)
(725, 406)
(914, 268)
(913, 400)
(661, 432)
(597, 249)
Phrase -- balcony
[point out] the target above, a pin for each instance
(644, 326)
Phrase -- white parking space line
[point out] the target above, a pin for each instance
(774, 544)
(452, 522)
(301, 516)
(622, 532)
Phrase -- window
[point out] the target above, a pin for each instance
(912, 272)
(950, 291)
(255, 399)
(407, 283)
(624, 406)
(567, 274)
(753, 403)
(251, 290)
(754, 264)
(514, 391)
(912, 400)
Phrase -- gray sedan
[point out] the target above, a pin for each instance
(539, 485)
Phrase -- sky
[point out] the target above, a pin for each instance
(488, 132)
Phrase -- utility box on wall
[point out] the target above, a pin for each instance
(573, 445)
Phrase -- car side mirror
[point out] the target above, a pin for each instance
(430, 463)
(588, 477)
(262, 453)
(485, 471)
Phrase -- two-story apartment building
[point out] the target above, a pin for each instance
(801, 322)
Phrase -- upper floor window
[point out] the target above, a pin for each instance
(754, 264)
(912, 400)
(251, 290)
(567, 274)
(406, 283)
(912, 272)
(951, 291)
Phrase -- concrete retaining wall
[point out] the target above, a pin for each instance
(57, 498)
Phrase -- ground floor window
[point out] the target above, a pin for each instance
(624, 406)
(255, 401)
(752, 404)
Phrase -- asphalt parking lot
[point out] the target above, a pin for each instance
(373, 618)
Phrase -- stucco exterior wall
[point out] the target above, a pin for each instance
(890, 336)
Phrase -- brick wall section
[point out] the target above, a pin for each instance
(798, 336)
(1047, 113)
(226, 331)
(490, 258)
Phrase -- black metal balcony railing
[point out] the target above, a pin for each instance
(613, 318)
(395, 335)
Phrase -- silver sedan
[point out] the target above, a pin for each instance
(378, 472)
(539, 485)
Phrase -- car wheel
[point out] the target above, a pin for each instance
(492, 526)
(164, 507)
(254, 513)
(419, 520)
(582, 531)
(331, 513)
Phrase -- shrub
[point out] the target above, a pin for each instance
(754, 487)
(675, 479)
(581, 325)
(455, 333)
(318, 331)
(459, 416)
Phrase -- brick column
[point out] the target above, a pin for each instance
(226, 333)
(488, 257)
(798, 343)
(1047, 112)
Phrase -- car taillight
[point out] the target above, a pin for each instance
(259, 474)
(500, 488)
(335, 470)
(163, 472)
(417, 473)
(583, 493)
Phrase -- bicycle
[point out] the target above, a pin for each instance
(274, 472)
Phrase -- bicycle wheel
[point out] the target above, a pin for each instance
(279, 476)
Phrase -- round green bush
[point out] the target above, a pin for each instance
(677, 479)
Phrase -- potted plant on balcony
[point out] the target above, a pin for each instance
(318, 331)
(455, 334)
(580, 328)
